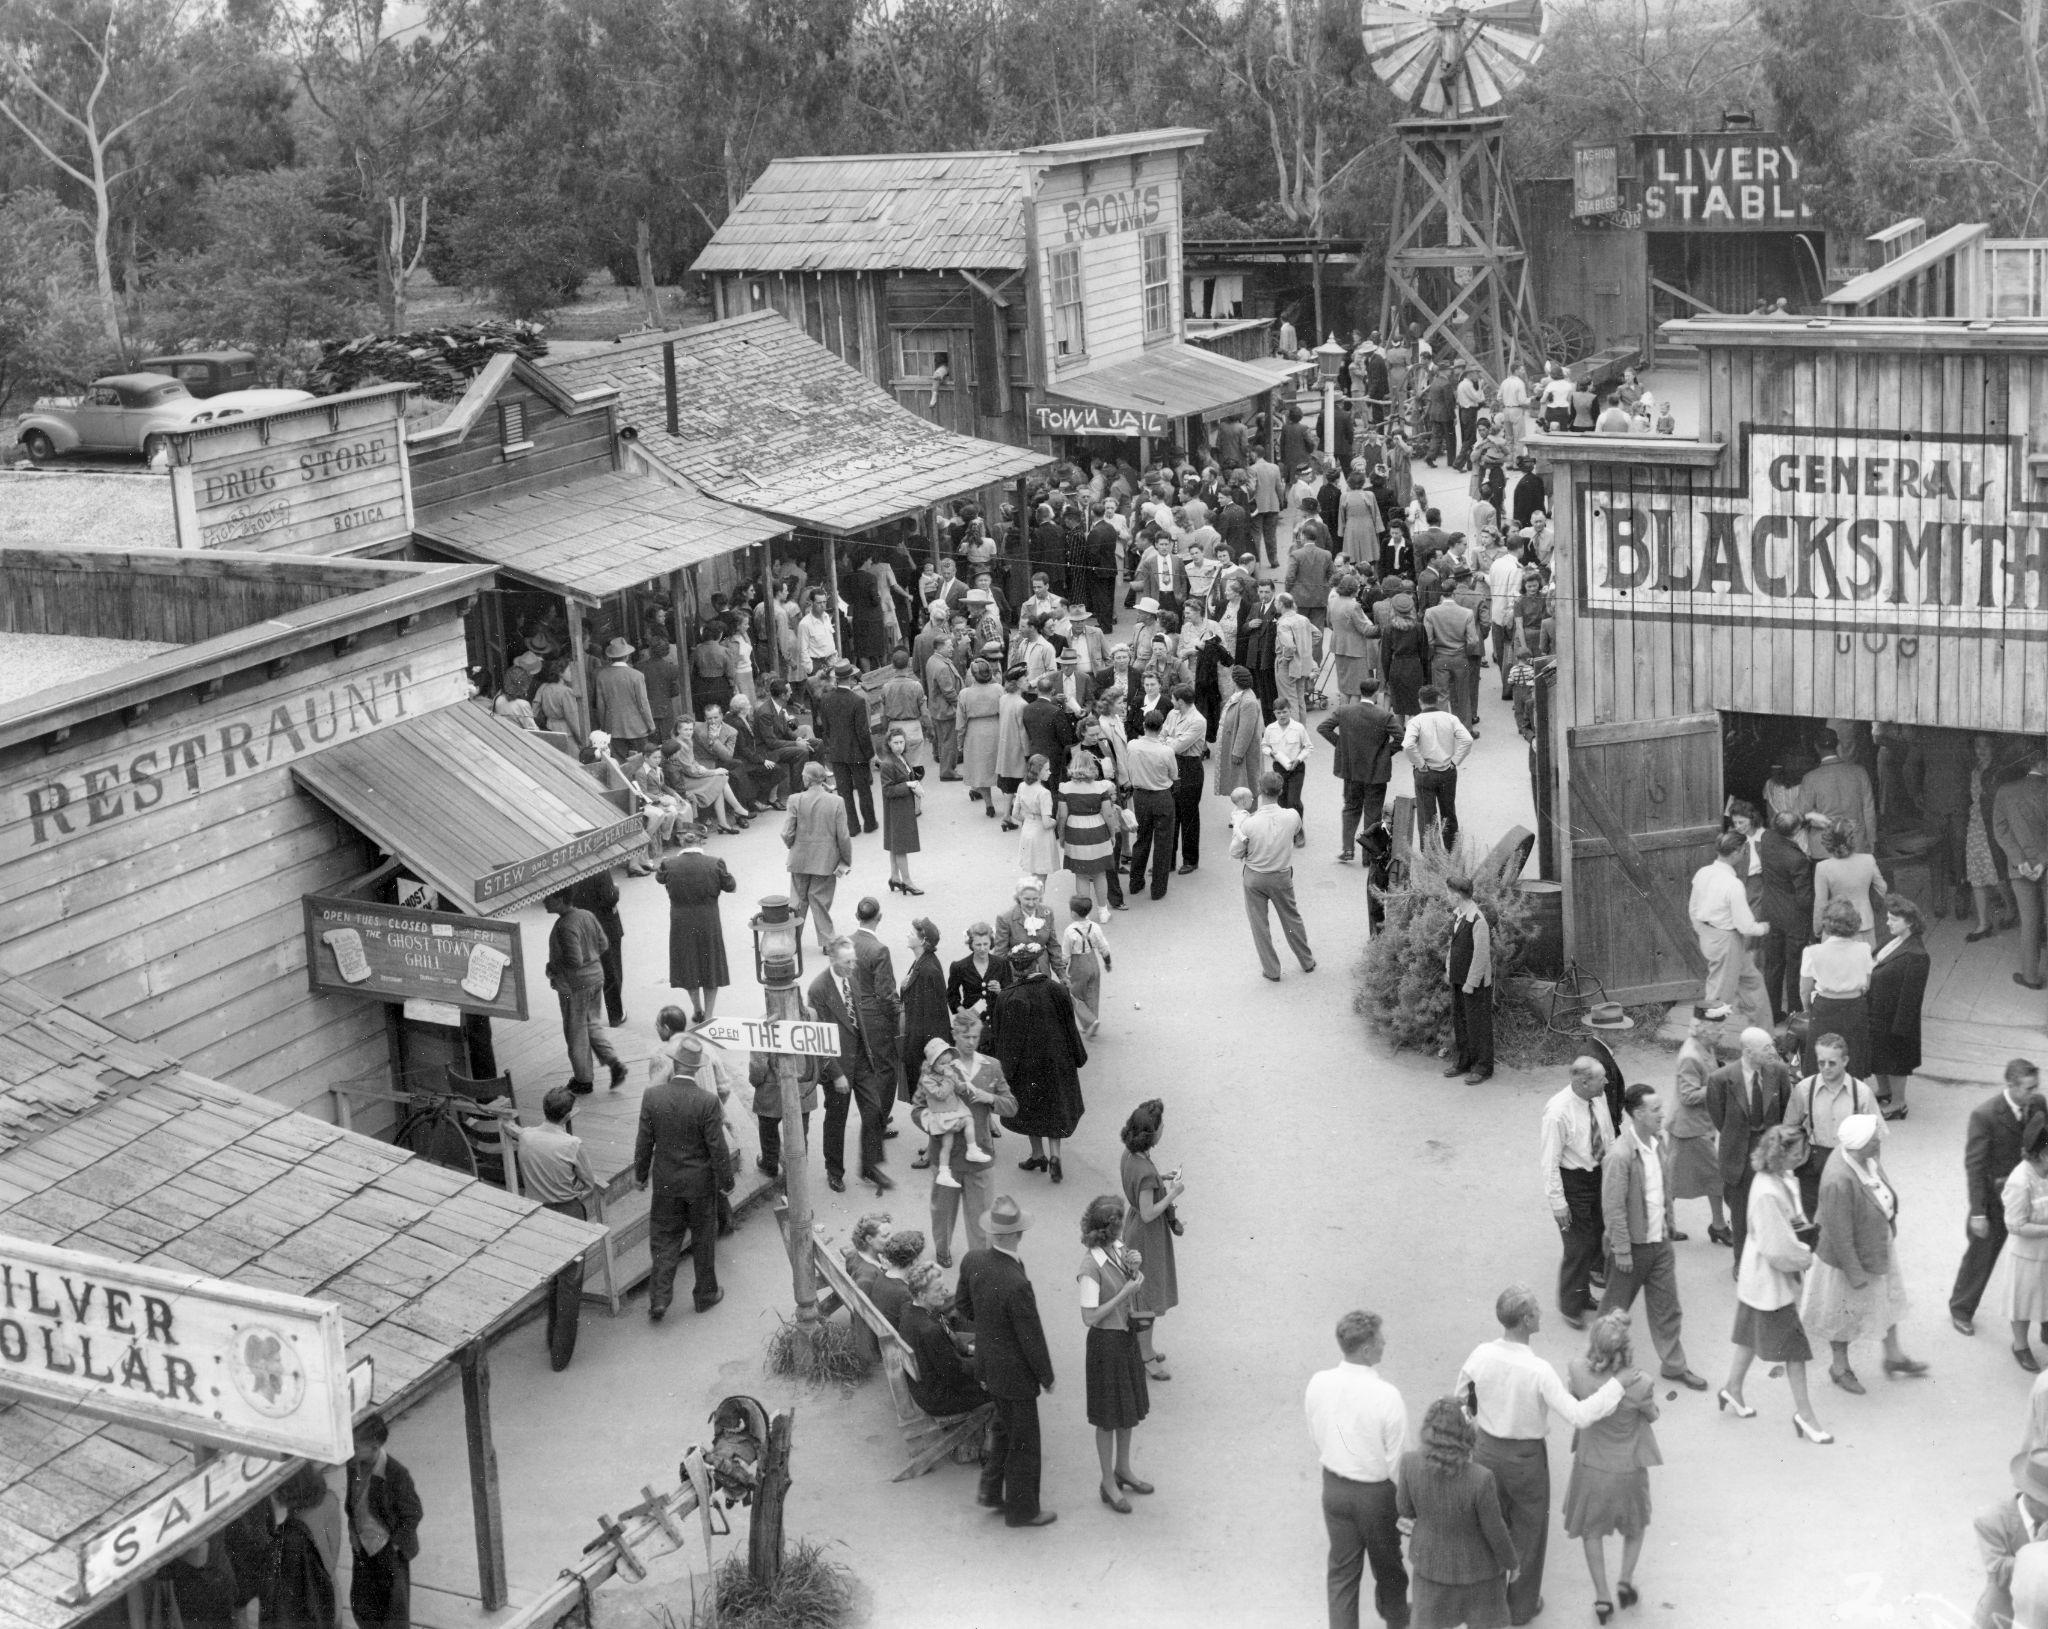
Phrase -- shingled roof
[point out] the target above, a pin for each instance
(909, 211)
(113, 1148)
(771, 420)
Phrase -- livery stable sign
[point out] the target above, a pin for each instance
(1861, 532)
(228, 1365)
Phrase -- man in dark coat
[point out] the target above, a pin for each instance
(1102, 568)
(1785, 907)
(1049, 729)
(854, 1076)
(996, 1298)
(876, 995)
(1040, 1049)
(384, 1514)
(681, 1153)
(1744, 1100)
(849, 746)
(775, 729)
(1365, 736)
(1991, 1149)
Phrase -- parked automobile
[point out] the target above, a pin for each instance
(235, 403)
(122, 413)
(206, 373)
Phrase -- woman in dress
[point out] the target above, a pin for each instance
(1695, 1142)
(1855, 1292)
(1834, 985)
(1898, 981)
(1039, 1046)
(1406, 650)
(1610, 1487)
(1082, 824)
(1848, 876)
(1111, 1280)
(900, 800)
(1011, 745)
(1031, 810)
(1981, 853)
(1775, 1256)
(1151, 1223)
(709, 789)
(1460, 1553)
(927, 1014)
(975, 978)
(2026, 1226)
(554, 703)
(945, 1386)
(869, 637)
(696, 937)
(863, 1259)
(976, 714)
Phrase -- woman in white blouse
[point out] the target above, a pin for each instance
(1767, 1281)
(1834, 987)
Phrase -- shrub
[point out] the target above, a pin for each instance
(817, 1352)
(810, 1592)
(1402, 991)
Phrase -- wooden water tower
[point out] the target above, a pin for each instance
(1455, 261)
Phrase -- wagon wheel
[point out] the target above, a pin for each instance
(1566, 339)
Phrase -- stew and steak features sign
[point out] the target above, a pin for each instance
(1851, 531)
(392, 953)
(563, 860)
(1739, 181)
(226, 1364)
(326, 477)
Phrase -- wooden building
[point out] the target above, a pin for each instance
(1318, 284)
(1857, 537)
(1033, 296)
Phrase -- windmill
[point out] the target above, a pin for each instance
(1455, 262)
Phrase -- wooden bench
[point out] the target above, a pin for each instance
(929, 1439)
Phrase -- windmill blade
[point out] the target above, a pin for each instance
(1447, 61)
(1509, 16)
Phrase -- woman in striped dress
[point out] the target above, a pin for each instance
(1085, 838)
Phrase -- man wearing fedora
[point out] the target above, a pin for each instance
(622, 706)
(849, 745)
(681, 1152)
(2007, 1528)
(996, 1299)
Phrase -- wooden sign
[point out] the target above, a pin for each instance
(1596, 178)
(1738, 181)
(790, 1035)
(184, 1356)
(322, 477)
(393, 953)
(1063, 419)
(1855, 532)
(565, 861)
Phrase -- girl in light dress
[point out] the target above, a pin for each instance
(946, 1113)
(1086, 948)
(1038, 846)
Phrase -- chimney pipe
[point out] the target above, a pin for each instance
(668, 370)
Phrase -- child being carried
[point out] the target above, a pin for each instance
(946, 1111)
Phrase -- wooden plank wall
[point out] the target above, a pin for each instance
(182, 924)
(475, 471)
(1111, 271)
(184, 606)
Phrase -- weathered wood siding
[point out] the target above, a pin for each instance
(1105, 209)
(182, 600)
(476, 470)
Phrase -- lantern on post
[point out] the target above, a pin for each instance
(1329, 361)
(779, 964)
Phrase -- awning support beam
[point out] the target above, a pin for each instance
(483, 1476)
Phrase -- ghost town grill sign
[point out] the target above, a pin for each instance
(1835, 529)
(225, 1364)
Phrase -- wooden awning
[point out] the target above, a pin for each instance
(489, 814)
(1174, 379)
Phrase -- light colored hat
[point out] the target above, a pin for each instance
(1858, 1132)
(936, 1048)
(600, 740)
(2030, 1474)
(1608, 1015)
(1147, 606)
(620, 647)
(1029, 881)
(1005, 1216)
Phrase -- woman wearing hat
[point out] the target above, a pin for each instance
(977, 717)
(1406, 653)
(1855, 1291)
(1038, 1043)
(696, 936)
(1775, 1257)
(926, 1012)
(2026, 1225)
(1111, 1279)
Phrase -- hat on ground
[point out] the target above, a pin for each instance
(1147, 607)
(620, 647)
(2030, 1474)
(693, 834)
(1005, 1216)
(1607, 1015)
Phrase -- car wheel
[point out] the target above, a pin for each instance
(152, 445)
(40, 448)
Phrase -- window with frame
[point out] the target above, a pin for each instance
(1069, 325)
(1156, 276)
(921, 352)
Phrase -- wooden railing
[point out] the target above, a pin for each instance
(1938, 278)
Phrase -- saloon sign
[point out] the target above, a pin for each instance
(1737, 182)
(1848, 531)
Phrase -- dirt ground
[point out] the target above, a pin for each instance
(1324, 1173)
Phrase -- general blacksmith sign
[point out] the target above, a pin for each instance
(1852, 531)
(185, 1356)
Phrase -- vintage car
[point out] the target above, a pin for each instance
(206, 373)
(123, 413)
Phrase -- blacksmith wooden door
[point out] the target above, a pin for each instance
(1644, 801)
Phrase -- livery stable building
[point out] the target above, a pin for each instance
(1856, 540)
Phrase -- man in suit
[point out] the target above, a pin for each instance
(877, 996)
(1991, 1149)
(775, 729)
(2007, 1528)
(384, 1514)
(1785, 904)
(2019, 823)
(996, 1299)
(1364, 735)
(941, 671)
(820, 844)
(854, 1076)
(1027, 921)
(1838, 790)
(681, 1154)
(1073, 690)
(1240, 733)
(1049, 729)
(1744, 1100)
(849, 745)
(1635, 1206)
(716, 742)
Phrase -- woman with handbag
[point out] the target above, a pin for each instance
(1112, 1279)
(1898, 983)
(1151, 1225)
(1855, 1291)
(901, 802)
(1776, 1252)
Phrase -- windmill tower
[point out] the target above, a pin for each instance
(1455, 262)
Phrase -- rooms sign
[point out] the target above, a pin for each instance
(1840, 530)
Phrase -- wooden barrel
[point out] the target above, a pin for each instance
(1543, 955)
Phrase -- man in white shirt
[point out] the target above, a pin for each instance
(1514, 1397)
(555, 1171)
(1504, 587)
(1514, 411)
(1724, 925)
(1265, 842)
(1436, 743)
(1635, 1204)
(817, 638)
(1577, 1132)
(1360, 1427)
(1286, 742)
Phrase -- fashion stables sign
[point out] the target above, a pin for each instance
(1848, 531)
(225, 1364)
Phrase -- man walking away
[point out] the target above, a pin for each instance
(1436, 743)
(1577, 1132)
(1468, 966)
(1991, 1150)
(995, 1298)
(1360, 1428)
(1723, 923)
(384, 1514)
(1454, 645)
(681, 1153)
(1363, 734)
(1154, 775)
(555, 1171)
(820, 844)
(1635, 1202)
(2019, 825)
(1265, 842)
(849, 745)
(576, 952)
